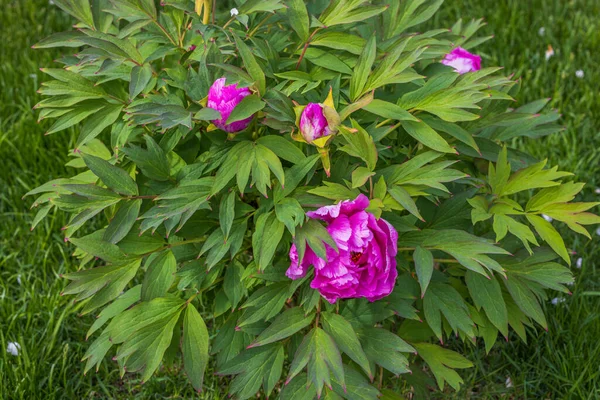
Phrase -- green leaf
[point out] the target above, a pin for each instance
(385, 348)
(444, 299)
(123, 221)
(319, 351)
(298, 17)
(389, 111)
(113, 177)
(152, 161)
(360, 176)
(441, 362)
(100, 120)
(334, 191)
(400, 194)
(194, 346)
(344, 336)
(207, 114)
(340, 41)
(266, 238)
(550, 235)
(120, 304)
(80, 9)
(246, 108)
(424, 266)
(140, 77)
(263, 154)
(486, 293)
(282, 148)
(423, 133)
(297, 389)
(291, 213)
(294, 175)
(327, 60)
(360, 144)
(526, 300)
(363, 69)
(233, 283)
(285, 325)
(251, 65)
(160, 275)
(255, 367)
(95, 246)
(227, 213)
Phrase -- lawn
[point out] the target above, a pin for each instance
(561, 363)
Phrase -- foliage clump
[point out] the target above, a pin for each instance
(221, 153)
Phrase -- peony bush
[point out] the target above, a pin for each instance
(308, 198)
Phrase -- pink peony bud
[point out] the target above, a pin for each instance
(462, 61)
(224, 99)
(313, 124)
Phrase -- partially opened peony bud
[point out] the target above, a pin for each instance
(313, 124)
(224, 99)
(462, 61)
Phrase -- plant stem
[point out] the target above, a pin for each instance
(318, 313)
(306, 47)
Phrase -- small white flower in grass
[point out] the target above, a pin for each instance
(234, 12)
(597, 190)
(547, 218)
(579, 262)
(579, 73)
(508, 382)
(598, 231)
(13, 348)
(549, 52)
(542, 31)
(557, 300)
(19, 279)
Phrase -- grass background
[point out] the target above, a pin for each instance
(563, 363)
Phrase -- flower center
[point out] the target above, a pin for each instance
(355, 256)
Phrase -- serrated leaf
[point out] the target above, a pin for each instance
(360, 176)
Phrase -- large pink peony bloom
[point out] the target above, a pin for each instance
(462, 61)
(224, 99)
(366, 263)
(313, 123)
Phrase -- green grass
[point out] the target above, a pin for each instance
(563, 363)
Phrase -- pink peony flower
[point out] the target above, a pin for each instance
(366, 263)
(313, 123)
(224, 99)
(462, 61)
